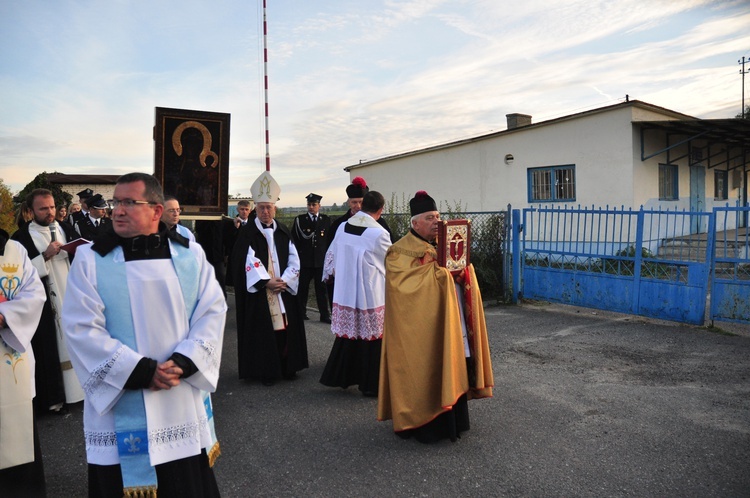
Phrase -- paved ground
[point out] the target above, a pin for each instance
(587, 403)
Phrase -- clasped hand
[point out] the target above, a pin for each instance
(276, 285)
(167, 376)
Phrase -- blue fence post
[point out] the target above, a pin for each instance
(517, 257)
(640, 226)
(711, 259)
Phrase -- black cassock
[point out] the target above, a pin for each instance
(265, 354)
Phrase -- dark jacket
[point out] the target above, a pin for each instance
(311, 239)
(86, 227)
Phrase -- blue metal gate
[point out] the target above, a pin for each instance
(640, 262)
(730, 280)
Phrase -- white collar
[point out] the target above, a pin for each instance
(362, 219)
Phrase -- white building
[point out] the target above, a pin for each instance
(72, 184)
(630, 154)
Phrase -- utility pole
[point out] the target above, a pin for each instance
(743, 72)
(265, 84)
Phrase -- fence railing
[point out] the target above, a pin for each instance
(489, 247)
(489, 236)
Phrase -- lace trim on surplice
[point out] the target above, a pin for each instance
(167, 435)
(100, 373)
(353, 323)
(209, 350)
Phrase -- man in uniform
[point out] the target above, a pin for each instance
(95, 221)
(78, 214)
(271, 341)
(357, 258)
(435, 350)
(43, 239)
(144, 317)
(309, 235)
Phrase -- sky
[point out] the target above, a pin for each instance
(349, 80)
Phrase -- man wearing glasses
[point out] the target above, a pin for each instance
(271, 341)
(145, 317)
(171, 218)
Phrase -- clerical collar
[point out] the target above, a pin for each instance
(433, 243)
(154, 246)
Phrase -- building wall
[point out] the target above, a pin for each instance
(605, 148)
(107, 191)
(476, 175)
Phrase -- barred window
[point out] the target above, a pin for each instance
(553, 183)
(720, 184)
(668, 182)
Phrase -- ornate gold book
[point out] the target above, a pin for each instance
(453, 244)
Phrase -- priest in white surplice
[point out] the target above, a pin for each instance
(357, 260)
(144, 316)
(21, 300)
(43, 238)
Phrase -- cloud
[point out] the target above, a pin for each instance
(347, 80)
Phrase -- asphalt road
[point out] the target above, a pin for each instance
(586, 403)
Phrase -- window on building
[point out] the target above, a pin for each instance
(554, 183)
(668, 182)
(721, 179)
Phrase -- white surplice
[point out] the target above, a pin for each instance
(22, 311)
(358, 263)
(176, 418)
(56, 270)
(255, 270)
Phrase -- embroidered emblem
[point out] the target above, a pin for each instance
(9, 283)
(133, 442)
(13, 360)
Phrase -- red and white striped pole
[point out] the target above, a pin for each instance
(265, 77)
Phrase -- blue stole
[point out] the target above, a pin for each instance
(138, 476)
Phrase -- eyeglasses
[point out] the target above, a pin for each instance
(127, 203)
(174, 211)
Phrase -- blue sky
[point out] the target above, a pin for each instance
(349, 80)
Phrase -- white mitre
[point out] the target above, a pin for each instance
(265, 189)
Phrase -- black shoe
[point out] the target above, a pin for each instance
(305, 317)
(290, 376)
(325, 320)
(268, 382)
(370, 394)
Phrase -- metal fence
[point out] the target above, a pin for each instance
(489, 238)
(730, 282)
(490, 249)
(644, 262)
